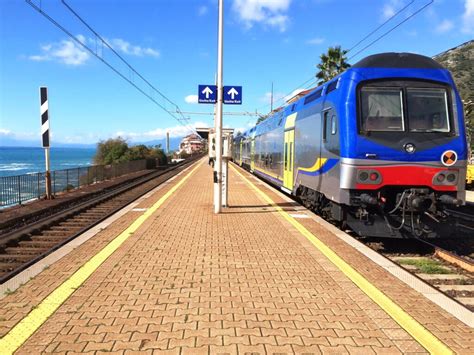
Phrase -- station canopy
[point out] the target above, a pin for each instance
(204, 132)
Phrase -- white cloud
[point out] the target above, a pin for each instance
(125, 47)
(267, 97)
(191, 99)
(295, 92)
(387, 11)
(468, 17)
(278, 98)
(315, 41)
(159, 133)
(271, 13)
(70, 53)
(5, 132)
(66, 52)
(202, 10)
(444, 26)
(390, 8)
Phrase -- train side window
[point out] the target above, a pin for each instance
(333, 125)
(286, 156)
(325, 125)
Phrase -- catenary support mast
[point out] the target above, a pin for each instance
(218, 117)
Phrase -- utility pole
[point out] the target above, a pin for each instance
(271, 99)
(218, 117)
(167, 142)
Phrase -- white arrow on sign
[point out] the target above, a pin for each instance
(232, 92)
(207, 91)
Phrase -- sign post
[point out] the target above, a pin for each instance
(218, 117)
(44, 112)
(219, 94)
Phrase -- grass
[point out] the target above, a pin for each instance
(426, 266)
(8, 292)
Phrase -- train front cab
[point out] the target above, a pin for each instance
(409, 161)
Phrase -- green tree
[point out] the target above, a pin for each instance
(110, 151)
(332, 63)
(116, 150)
(158, 153)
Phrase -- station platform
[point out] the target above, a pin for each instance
(264, 276)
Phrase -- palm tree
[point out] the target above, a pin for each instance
(332, 63)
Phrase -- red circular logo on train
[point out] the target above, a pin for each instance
(449, 157)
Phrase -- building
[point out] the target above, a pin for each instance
(191, 144)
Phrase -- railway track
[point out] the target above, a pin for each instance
(448, 268)
(27, 244)
(464, 217)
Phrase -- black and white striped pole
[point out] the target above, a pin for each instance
(44, 112)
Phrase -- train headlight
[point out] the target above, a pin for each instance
(363, 176)
(451, 177)
(447, 177)
(369, 176)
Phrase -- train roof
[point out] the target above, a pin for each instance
(383, 60)
(397, 60)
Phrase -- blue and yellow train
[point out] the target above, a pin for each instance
(381, 148)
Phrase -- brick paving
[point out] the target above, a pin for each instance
(245, 281)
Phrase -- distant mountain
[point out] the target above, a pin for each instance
(6, 141)
(174, 143)
(12, 142)
(460, 62)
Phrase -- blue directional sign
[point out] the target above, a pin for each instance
(207, 94)
(233, 95)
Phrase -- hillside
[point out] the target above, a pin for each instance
(460, 61)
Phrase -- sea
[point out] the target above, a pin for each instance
(19, 161)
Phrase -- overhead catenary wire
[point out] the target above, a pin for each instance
(381, 25)
(362, 40)
(392, 29)
(179, 119)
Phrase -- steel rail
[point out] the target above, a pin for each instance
(62, 216)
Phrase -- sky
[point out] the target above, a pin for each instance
(173, 45)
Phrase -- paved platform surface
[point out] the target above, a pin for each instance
(245, 281)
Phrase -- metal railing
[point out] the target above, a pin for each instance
(15, 190)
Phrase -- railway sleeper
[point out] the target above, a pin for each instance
(14, 258)
(53, 232)
(25, 250)
(94, 214)
(48, 238)
(83, 219)
(37, 244)
(63, 228)
(7, 267)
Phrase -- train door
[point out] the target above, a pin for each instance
(329, 183)
(288, 159)
(240, 155)
(289, 152)
(252, 154)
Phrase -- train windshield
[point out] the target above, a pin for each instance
(382, 109)
(427, 110)
(409, 107)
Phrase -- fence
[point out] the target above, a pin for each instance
(15, 190)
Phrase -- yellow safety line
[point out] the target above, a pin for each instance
(414, 328)
(28, 325)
